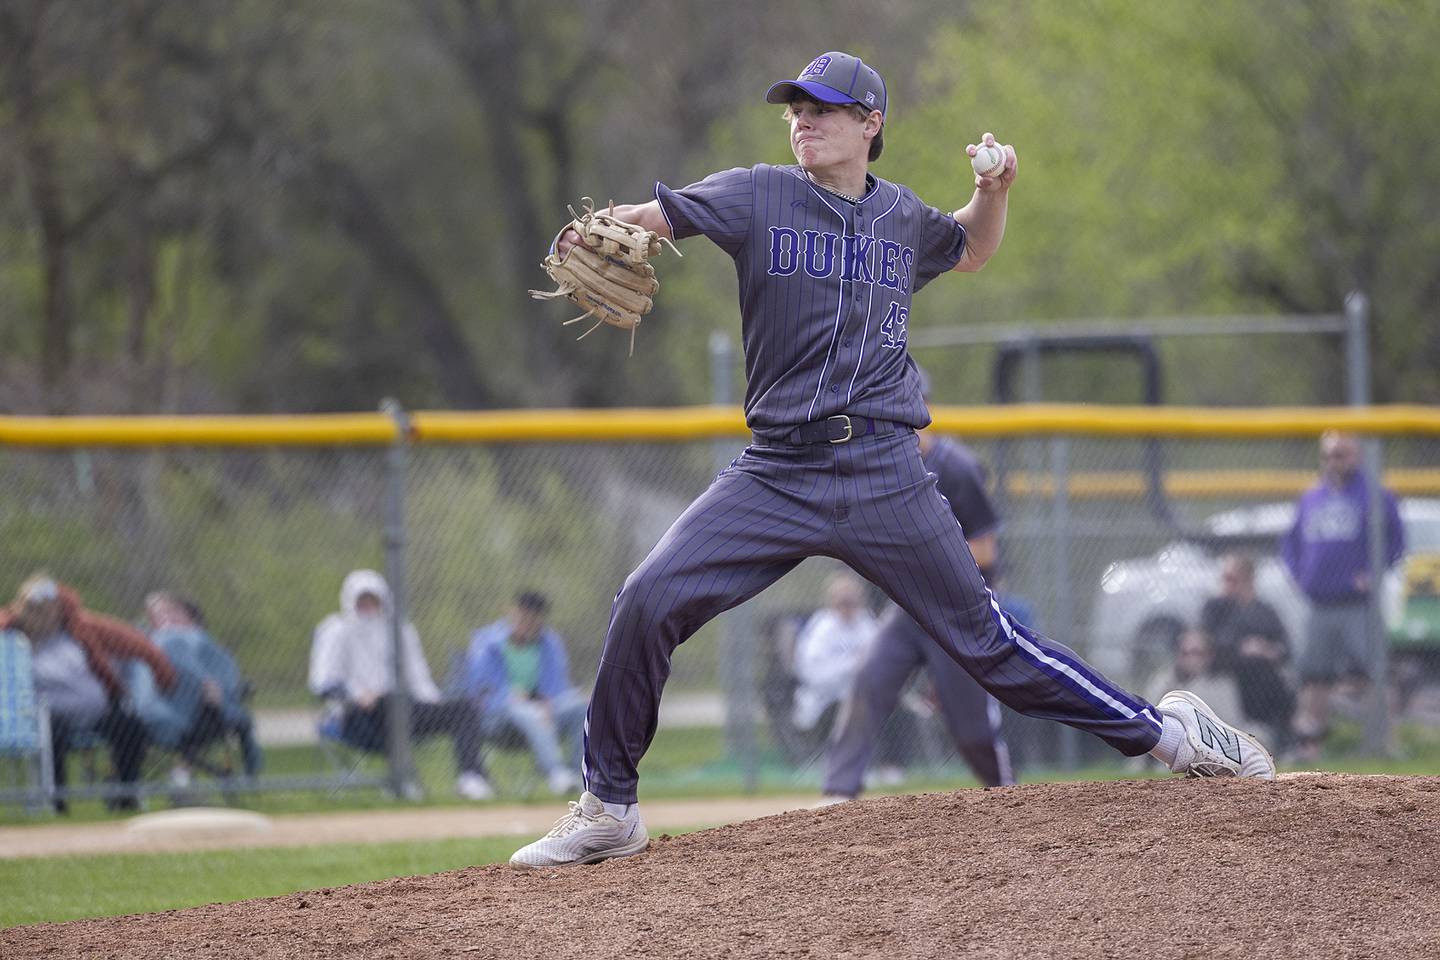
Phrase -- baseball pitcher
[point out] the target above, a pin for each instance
(829, 258)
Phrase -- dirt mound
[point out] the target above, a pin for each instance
(1312, 866)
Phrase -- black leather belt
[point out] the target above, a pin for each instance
(840, 429)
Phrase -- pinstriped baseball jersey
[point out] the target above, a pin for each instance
(825, 288)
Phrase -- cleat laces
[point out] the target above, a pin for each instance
(572, 821)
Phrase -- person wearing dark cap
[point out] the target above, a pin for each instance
(828, 258)
(517, 670)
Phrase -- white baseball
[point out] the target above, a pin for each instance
(988, 161)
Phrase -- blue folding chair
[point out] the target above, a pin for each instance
(24, 723)
(346, 760)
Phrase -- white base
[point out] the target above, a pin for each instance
(198, 821)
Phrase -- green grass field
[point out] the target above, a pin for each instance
(681, 763)
(69, 888)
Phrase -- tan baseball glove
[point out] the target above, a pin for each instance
(608, 274)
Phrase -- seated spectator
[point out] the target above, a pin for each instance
(1251, 645)
(208, 702)
(1194, 670)
(516, 668)
(831, 647)
(350, 661)
(77, 657)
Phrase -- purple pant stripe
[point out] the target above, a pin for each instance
(1133, 704)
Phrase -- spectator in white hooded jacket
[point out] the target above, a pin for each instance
(350, 660)
(831, 647)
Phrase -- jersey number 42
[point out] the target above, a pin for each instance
(892, 328)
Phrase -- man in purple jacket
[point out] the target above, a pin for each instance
(1327, 552)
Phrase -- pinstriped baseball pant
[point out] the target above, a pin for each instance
(971, 716)
(871, 504)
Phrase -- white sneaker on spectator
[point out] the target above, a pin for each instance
(561, 782)
(886, 776)
(473, 786)
(587, 834)
(1213, 748)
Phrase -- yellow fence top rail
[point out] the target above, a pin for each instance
(1202, 484)
(690, 423)
(350, 429)
(1184, 421)
(615, 424)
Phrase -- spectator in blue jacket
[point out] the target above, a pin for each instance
(208, 702)
(1327, 551)
(517, 670)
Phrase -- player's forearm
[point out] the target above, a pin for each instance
(985, 549)
(984, 221)
(648, 215)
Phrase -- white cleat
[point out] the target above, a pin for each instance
(1212, 747)
(587, 834)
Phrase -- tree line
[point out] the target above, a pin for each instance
(293, 206)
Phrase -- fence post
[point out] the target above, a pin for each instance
(737, 627)
(1357, 367)
(403, 779)
(1063, 609)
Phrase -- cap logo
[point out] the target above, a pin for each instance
(817, 68)
(870, 98)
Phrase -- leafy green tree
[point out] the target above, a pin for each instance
(1182, 159)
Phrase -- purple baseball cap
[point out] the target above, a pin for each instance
(834, 77)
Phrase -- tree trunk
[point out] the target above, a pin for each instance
(140, 300)
(456, 368)
(38, 161)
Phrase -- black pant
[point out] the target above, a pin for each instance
(122, 732)
(209, 726)
(366, 729)
(1264, 695)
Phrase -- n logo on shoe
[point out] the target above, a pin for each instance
(1218, 738)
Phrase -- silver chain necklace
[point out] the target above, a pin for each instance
(842, 196)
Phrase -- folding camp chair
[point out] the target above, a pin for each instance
(24, 724)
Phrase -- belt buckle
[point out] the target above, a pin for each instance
(849, 427)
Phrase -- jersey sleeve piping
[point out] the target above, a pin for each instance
(663, 212)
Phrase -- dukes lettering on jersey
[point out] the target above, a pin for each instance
(858, 258)
(825, 288)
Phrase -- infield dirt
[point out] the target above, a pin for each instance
(1314, 866)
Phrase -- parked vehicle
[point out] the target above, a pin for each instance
(1143, 603)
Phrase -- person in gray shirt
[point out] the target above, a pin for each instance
(76, 658)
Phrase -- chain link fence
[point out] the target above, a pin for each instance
(1114, 543)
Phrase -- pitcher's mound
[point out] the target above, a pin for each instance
(1315, 867)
